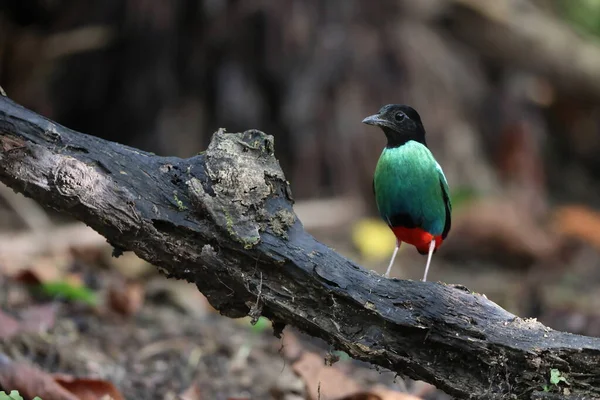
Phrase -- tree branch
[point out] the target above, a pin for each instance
(224, 220)
(517, 32)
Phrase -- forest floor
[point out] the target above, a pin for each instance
(82, 314)
(117, 326)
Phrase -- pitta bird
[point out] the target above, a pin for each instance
(410, 188)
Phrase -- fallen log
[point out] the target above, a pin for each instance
(224, 219)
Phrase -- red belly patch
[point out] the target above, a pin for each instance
(417, 237)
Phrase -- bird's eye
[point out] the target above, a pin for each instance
(399, 116)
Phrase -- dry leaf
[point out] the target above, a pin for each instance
(291, 348)
(422, 389)
(88, 389)
(380, 393)
(27, 276)
(500, 228)
(126, 298)
(362, 396)
(38, 317)
(580, 222)
(9, 326)
(32, 319)
(43, 269)
(31, 381)
(192, 393)
(323, 382)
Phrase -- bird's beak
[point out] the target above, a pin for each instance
(374, 120)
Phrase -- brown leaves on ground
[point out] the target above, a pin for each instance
(500, 228)
(126, 298)
(580, 222)
(321, 381)
(123, 294)
(43, 269)
(9, 326)
(88, 389)
(33, 318)
(192, 393)
(325, 382)
(378, 393)
(31, 381)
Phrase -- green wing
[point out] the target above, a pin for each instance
(447, 202)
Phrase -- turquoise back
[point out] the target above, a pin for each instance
(408, 180)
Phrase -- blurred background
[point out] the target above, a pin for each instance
(509, 93)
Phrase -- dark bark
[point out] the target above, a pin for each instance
(224, 220)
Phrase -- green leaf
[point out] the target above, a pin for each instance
(68, 291)
(556, 377)
(261, 325)
(14, 395)
(546, 388)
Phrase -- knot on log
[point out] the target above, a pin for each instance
(243, 174)
(74, 178)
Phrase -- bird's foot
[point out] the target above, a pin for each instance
(389, 268)
(430, 253)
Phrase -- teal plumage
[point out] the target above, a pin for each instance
(410, 188)
(408, 180)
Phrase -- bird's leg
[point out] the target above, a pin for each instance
(431, 248)
(387, 273)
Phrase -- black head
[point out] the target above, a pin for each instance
(400, 124)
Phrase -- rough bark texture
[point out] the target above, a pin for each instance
(224, 220)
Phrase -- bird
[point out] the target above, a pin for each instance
(411, 190)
